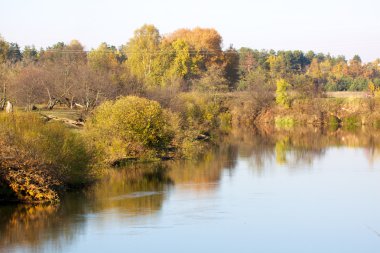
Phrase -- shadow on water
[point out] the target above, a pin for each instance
(140, 190)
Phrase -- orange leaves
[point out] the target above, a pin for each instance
(206, 42)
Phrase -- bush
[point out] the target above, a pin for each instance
(52, 143)
(130, 127)
(245, 109)
(199, 111)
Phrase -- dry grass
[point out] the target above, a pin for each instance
(346, 94)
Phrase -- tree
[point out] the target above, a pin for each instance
(282, 97)
(27, 88)
(91, 85)
(64, 54)
(339, 70)
(14, 54)
(4, 47)
(314, 69)
(61, 63)
(103, 59)
(143, 55)
(355, 68)
(75, 52)
(182, 64)
(254, 81)
(371, 88)
(206, 45)
(247, 60)
(30, 54)
(231, 57)
(213, 80)
(357, 59)
(317, 71)
(277, 65)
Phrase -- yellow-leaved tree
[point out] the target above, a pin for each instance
(143, 55)
(282, 96)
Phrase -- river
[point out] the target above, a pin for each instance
(288, 191)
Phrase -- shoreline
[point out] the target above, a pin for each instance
(28, 180)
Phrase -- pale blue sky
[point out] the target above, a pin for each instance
(345, 27)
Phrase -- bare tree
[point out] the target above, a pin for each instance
(27, 87)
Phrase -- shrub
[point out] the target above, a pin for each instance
(199, 111)
(52, 143)
(130, 127)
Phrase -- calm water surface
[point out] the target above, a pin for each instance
(284, 192)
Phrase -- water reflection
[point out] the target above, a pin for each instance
(140, 191)
(30, 226)
(118, 190)
(137, 190)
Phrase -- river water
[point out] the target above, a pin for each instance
(298, 191)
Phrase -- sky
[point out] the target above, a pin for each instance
(339, 27)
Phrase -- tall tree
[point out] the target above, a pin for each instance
(4, 47)
(30, 54)
(231, 56)
(14, 54)
(205, 42)
(143, 54)
(103, 59)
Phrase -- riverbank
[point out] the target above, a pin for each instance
(333, 112)
(26, 179)
(42, 157)
(39, 160)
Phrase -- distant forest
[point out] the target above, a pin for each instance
(185, 60)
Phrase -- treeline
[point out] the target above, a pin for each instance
(316, 72)
(184, 60)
